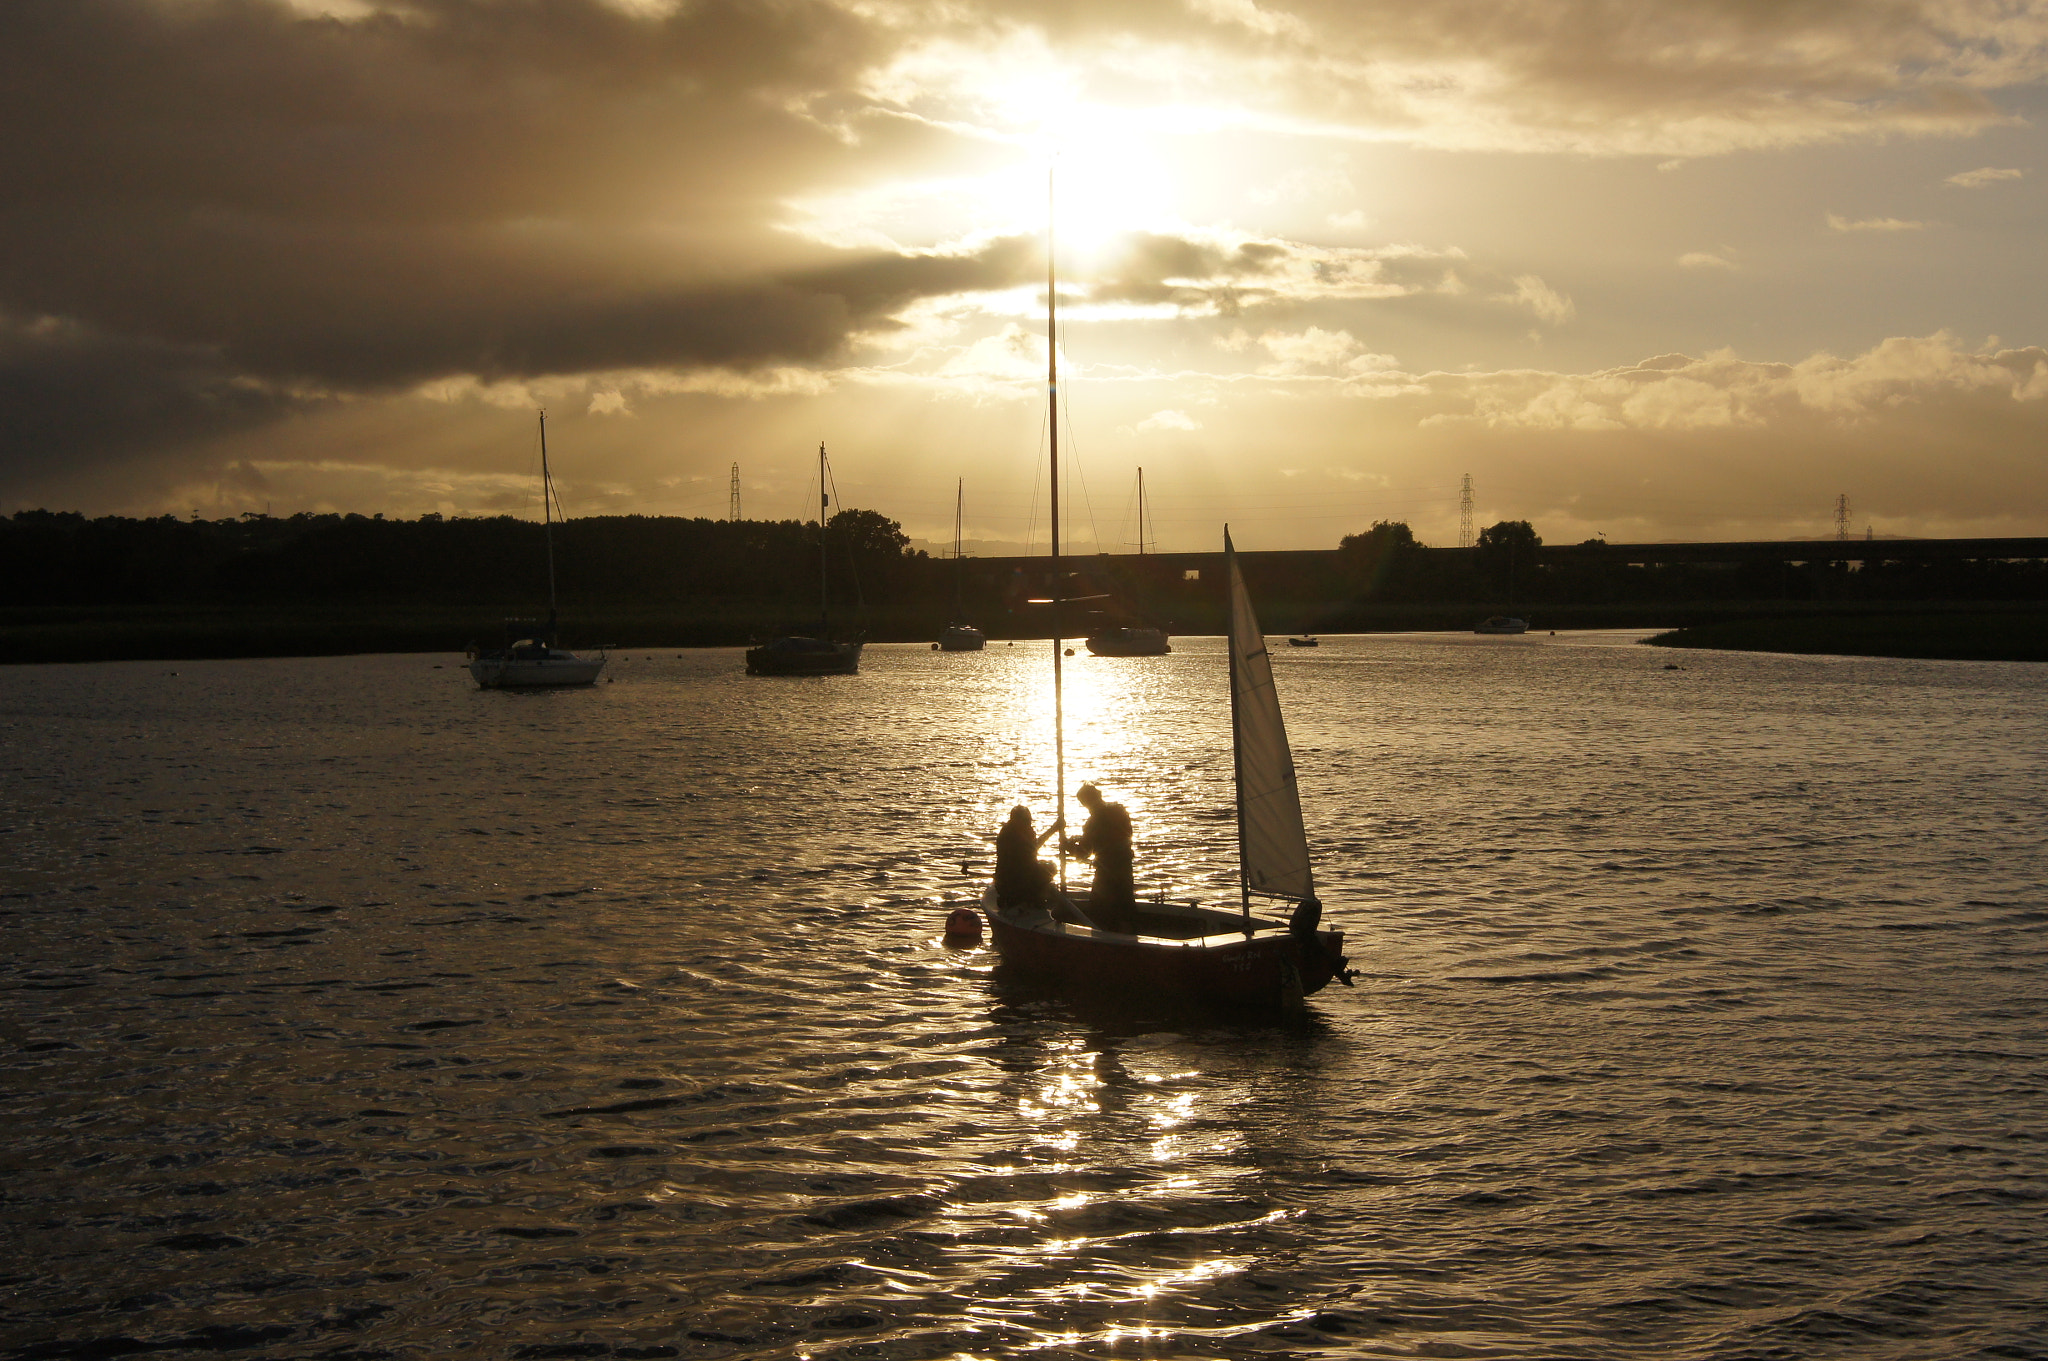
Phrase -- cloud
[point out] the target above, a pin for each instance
(1977, 179)
(1224, 273)
(1699, 259)
(1540, 298)
(1314, 348)
(1674, 392)
(68, 390)
(1677, 80)
(1168, 420)
(1245, 13)
(1838, 223)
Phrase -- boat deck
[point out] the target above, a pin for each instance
(1173, 923)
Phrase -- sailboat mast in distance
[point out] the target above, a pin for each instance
(1141, 512)
(547, 525)
(824, 597)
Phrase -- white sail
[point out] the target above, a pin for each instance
(1272, 844)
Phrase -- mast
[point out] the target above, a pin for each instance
(547, 524)
(959, 554)
(1052, 389)
(1244, 883)
(824, 500)
(1141, 512)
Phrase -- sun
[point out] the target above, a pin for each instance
(1026, 123)
(1097, 170)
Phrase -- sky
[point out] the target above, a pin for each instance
(1641, 269)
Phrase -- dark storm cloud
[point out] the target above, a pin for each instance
(229, 199)
(65, 391)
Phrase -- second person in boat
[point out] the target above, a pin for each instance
(1022, 879)
(1105, 841)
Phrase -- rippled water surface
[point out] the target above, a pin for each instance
(353, 1012)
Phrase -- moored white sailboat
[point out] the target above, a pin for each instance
(535, 662)
(1132, 639)
(956, 636)
(806, 654)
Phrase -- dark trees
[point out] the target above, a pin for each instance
(1382, 561)
(1507, 550)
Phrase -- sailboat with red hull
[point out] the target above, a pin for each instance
(1208, 954)
(1191, 952)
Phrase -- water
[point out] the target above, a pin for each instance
(357, 1013)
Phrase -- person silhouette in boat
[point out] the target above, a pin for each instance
(1105, 841)
(1022, 879)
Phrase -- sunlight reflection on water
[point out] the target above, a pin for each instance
(361, 1011)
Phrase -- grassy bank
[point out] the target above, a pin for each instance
(1989, 635)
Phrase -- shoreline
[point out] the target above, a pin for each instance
(199, 633)
(2003, 635)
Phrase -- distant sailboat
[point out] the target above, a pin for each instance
(959, 637)
(535, 661)
(1131, 640)
(802, 654)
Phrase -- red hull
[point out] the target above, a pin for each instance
(1233, 969)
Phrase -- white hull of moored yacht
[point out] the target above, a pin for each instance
(522, 673)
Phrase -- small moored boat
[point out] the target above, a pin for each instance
(806, 654)
(532, 662)
(1501, 623)
(958, 637)
(535, 661)
(1129, 641)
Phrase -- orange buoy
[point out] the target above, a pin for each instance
(963, 923)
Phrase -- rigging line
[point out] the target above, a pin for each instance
(860, 600)
(1074, 456)
(533, 470)
(1037, 471)
(810, 501)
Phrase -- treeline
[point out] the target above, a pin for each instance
(662, 577)
(65, 559)
(1508, 566)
